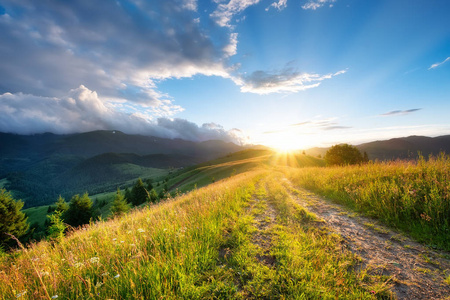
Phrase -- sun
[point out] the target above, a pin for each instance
(287, 142)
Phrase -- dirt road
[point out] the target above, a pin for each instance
(414, 271)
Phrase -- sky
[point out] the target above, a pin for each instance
(286, 73)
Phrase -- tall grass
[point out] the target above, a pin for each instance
(203, 245)
(159, 251)
(412, 196)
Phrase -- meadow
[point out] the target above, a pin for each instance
(242, 237)
(207, 244)
(413, 196)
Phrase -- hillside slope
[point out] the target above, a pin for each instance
(38, 168)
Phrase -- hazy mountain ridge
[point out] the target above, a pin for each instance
(399, 148)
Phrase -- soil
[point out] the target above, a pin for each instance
(414, 271)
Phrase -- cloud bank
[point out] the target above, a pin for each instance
(112, 62)
(82, 110)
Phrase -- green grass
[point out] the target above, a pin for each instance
(37, 214)
(198, 246)
(411, 196)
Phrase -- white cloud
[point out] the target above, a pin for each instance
(439, 63)
(225, 12)
(287, 80)
(190, 4)
(315, 4)
(83, 110)
(280, 5)
(128, 44)
(231, 48)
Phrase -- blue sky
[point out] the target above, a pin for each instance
(285, 73)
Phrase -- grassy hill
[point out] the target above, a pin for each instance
(179, 181)
(204, 245)
(241, 237)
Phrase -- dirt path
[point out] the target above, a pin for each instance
(262, 237)
(414, 271)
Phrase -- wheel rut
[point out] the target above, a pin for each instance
(413, 271)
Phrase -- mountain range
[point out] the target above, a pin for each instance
(399, 148)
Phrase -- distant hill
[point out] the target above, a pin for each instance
(399, 148)
(407, 147)
(39, 167)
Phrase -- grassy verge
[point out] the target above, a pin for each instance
(411, 196)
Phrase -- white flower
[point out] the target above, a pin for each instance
(54, 296)
(95, 260)
(117, 276)
(141, 230)
(114, 239)
(99, 284)
(78, 265)
(105, 274)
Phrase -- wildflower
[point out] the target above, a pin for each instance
(78, 265)
(117, 276)
(95, 260)
(141, 230)
(99, 284)
(54, 296)
(21, 294)
(45, 273)
(105, 274)
(114, 239)
(122, 242)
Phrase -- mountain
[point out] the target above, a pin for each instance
(39, 167)
(407, 147)
(399, 148)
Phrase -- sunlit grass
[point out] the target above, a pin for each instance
(198, 246)
(412, 196)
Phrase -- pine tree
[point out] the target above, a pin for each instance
(119, 205)
(57, 226)
(153, 196)
(61, 205)
(128, 195)
(12, 220)
(138, 193)
(80, 210)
